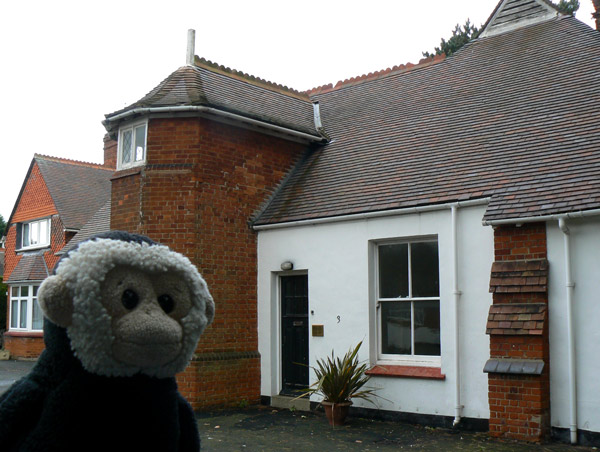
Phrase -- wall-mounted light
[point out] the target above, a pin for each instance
(287, 266)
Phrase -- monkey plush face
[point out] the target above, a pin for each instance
(128, 307)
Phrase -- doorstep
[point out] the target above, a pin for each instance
(288, 402)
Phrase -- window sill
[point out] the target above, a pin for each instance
(428, 373)
(20, 333)
(32, 248)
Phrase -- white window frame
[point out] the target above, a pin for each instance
(41, 244)
(397, 359)
(134, 162)
(31, 299)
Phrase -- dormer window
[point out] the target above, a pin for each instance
(132, 145)
(35, 234)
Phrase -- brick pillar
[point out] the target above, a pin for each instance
(596, 13)
(110, 152)
(518, 368)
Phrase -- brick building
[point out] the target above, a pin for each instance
(58, 197)
(354, 213)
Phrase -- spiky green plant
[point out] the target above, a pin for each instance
(341, 379)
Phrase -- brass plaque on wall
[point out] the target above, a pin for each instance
(318, 330)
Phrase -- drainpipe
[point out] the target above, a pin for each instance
(570, 285)
(457, 293)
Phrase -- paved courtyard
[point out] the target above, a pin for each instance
(267, 429)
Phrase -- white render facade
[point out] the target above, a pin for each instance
(340, 261)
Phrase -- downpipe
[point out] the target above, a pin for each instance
(570, 286)
(457, 293)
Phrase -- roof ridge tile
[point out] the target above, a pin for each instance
(243, 76)
(71, 161)
(398, 69)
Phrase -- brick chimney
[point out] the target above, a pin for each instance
(596, 13)
(110, 152)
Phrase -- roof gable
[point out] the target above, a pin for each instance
(513, 14)
(75, 190)
(34, 199)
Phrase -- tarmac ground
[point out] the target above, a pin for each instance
(265, 429)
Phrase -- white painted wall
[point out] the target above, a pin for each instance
(585, 261)
(336, 258)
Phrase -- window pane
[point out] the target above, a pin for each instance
(393, 271)
(395, 328)
(425, 269)
(14, 314)
(34, 233)
(35, 289)
(24, 291)
(427, 327)
(26, 235)
(44, 232)
(37, 322)
(15, 291)
(140, 143)
(126, 146)
(23, 318)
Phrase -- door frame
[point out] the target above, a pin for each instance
(276, 337)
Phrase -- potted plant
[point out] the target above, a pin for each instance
(339, 380)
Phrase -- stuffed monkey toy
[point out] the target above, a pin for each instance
(123, 315)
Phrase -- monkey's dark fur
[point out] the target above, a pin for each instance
(60, 406)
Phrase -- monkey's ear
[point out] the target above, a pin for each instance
(209, 310)
(55, 301)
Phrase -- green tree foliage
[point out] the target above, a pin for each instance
(2, 226)
(460, 36)
(568, 6)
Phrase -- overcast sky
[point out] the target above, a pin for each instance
(65, 64)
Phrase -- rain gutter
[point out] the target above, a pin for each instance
(369, 215)
(216, 112)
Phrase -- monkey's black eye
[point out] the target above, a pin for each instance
(166, 303)
(130, 299)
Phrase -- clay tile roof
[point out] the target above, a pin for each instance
(517, 319)
(512, 118)
(519, 276)
(31, 267)
(211, 85)
(78, 189)
(99, 222)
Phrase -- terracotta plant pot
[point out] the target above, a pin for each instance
(336, 412)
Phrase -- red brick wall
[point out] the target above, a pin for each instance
(24, 346)
(520, 404)
(110, 152)
(202, 183)
(520, 242)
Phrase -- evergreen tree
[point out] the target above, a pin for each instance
(2, 226)
(568, 6)
(460, 36)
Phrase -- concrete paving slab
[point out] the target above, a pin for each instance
(12, 370)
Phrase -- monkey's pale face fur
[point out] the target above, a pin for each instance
(128, 308)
